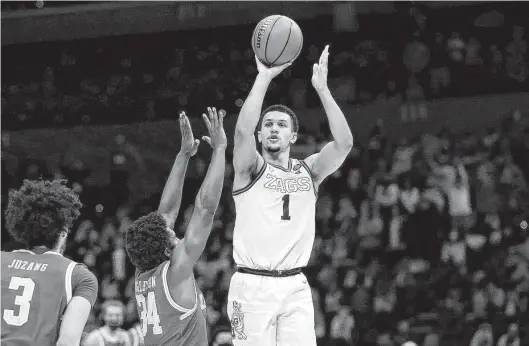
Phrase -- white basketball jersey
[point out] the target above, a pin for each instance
(275, 218)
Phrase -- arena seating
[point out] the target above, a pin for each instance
(396, 250)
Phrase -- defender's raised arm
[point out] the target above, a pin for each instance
(172, 192)
(186, 253)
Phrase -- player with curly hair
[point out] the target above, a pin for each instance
(170, 305)
(46, 298)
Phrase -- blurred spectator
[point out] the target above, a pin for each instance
(403, 333)
(342, 326)
(480, 302)
(458, 192)
(369, 227)
(511, 338)
(483, 336)
(454, 251)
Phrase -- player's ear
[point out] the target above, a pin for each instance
(259, 138)
(63, 236)
(294, 138)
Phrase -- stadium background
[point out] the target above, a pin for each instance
(436, 95)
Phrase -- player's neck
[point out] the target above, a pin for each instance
(40, 249)
(281, 159)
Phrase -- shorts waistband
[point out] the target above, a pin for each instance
(272, 273)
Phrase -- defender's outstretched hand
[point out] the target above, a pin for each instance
(270, 72)
(319, 71)
(215, 124)
(189, 143)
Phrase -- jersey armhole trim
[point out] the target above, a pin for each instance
(68, 281)
(252, 182)
(186, 312)
(304, 164)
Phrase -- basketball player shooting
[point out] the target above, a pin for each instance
(170, 305)
(269, 300)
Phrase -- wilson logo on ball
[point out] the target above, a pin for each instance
(262, 30)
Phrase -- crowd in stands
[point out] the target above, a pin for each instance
(424, 239)
(408, 56)
(420, 239)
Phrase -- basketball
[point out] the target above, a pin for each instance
(277, 40)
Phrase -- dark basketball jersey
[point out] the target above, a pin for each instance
(36, 288)
(163, 321)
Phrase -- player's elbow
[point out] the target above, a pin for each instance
(242, 132)
(344, 145)
(347, 144)
(205, 207)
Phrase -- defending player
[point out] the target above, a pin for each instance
(170, 305)
(46, 298)
(111, 334)
(269, 301)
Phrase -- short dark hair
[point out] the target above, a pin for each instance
(40, 211)
(282, 109)
(146, 241)
(112, 302)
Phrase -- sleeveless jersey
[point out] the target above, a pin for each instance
(275, 218)
(136, 335)
(36, 289)
(119, 337)
(163, 321)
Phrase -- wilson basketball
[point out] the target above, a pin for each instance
(277, 40)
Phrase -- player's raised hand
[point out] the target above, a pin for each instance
(270, 72)
(319, 71)
(215, 124)
(189, 143)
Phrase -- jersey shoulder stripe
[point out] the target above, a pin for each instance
(252, 182)
(304, 164)
(186, 312)
(68, 281)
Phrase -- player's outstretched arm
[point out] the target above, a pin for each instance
(74, 319)
(246, 159)
(186, 253)
(333, 154)
(172, 192)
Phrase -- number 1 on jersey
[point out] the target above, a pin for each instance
(286, 207)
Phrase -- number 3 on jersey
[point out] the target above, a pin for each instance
(23, 301)
(149, 313)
